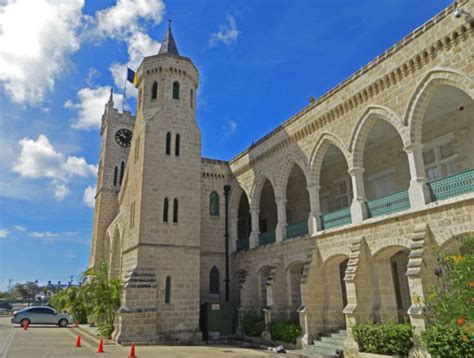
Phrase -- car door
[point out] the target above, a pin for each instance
(35, 315)
(48, 315)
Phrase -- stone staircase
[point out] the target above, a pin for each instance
(327, 345)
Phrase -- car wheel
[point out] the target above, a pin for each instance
(25, 321)
(63, 322)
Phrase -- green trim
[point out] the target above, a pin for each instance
(242, 244)
(336, 218)
(266, 238)
(389, 204)
(297, 229)
(452, 185)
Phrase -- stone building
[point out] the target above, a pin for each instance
(335, 217)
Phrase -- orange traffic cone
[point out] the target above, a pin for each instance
(101, 347)
(78, 341)
(132, 351)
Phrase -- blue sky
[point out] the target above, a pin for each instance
(259, 63)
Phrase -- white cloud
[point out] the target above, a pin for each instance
(89, 196)
(19, 228)
(38, 159)
(43, 235)
(90, 106)
(230, 127)
(36, 41)
(139, 45)
(122, 19)
(4, 233)
(227, 33)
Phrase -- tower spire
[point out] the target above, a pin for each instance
(110, 103)
(169, 45)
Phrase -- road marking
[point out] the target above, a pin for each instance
(8, 342)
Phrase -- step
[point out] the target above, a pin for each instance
(326, 345)
(323, 351)
(335, 340)
(338, 335)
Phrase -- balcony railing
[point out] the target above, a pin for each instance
(266, 238)
(297, 229)
(452, 185)
(336, 218)
(242, 244)
(388, 204)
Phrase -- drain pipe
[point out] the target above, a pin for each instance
(226, 236)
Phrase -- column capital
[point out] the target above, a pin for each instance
(311, 187)
(356, 171)
(413, 147)
(280, 200)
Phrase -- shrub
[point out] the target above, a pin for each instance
(449, 340)
(388, 338)
(285, 331)
(252, 325)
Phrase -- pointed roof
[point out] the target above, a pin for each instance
(169, 45)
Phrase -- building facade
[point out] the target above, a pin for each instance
(335, 217)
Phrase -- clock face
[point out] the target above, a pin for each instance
(123, 137)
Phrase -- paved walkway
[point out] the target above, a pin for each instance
(51, 341)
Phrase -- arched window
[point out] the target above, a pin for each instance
(214, 280)
(214, 204)
(122, 171)
(191, 98)
(176, 145)
(165, 210)
(176, 90)
(175, 210)
(168, 143)
(154, 90)
(168, 289)
(115, 175)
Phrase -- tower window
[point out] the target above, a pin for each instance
(165, 210)
(175, 210)
(191, 98)
(176, 90)
(168, 143)
(214, 204)
(154, 90)
(176, 148)
(122, 170)
(214, 280)
(168, 289)
(115, 175)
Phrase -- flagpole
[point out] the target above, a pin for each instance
(124, 94)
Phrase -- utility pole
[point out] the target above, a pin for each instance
(226, 235)
(9, 284)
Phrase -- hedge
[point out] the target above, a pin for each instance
(449, 340)
(388, 338)
(252, 325)
(285, 331)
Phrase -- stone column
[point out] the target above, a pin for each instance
(240, 315)
(302, 340)
(280, 231)
(415, 285)
(233, 222)
(418, 191)
(267, 316)
(314, 217)
(253, 240)
(358, 206)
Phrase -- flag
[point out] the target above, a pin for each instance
(131, 77)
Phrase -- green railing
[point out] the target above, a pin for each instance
(336, 218)
(266, 238)
(297, 229)
(452, 185)
(388, 204)
(242, 244)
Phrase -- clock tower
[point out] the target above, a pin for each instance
(116, 136)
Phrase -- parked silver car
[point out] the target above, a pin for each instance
(41, 315)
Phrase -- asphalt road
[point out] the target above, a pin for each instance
(52, 341)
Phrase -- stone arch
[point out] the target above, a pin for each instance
(425, 90)
(257, 187)
(456, 240)
(318, 153)
(294, 274)
(382, 244)
(327, 255)
(234, 200)
(290, 160)
(364, 125)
